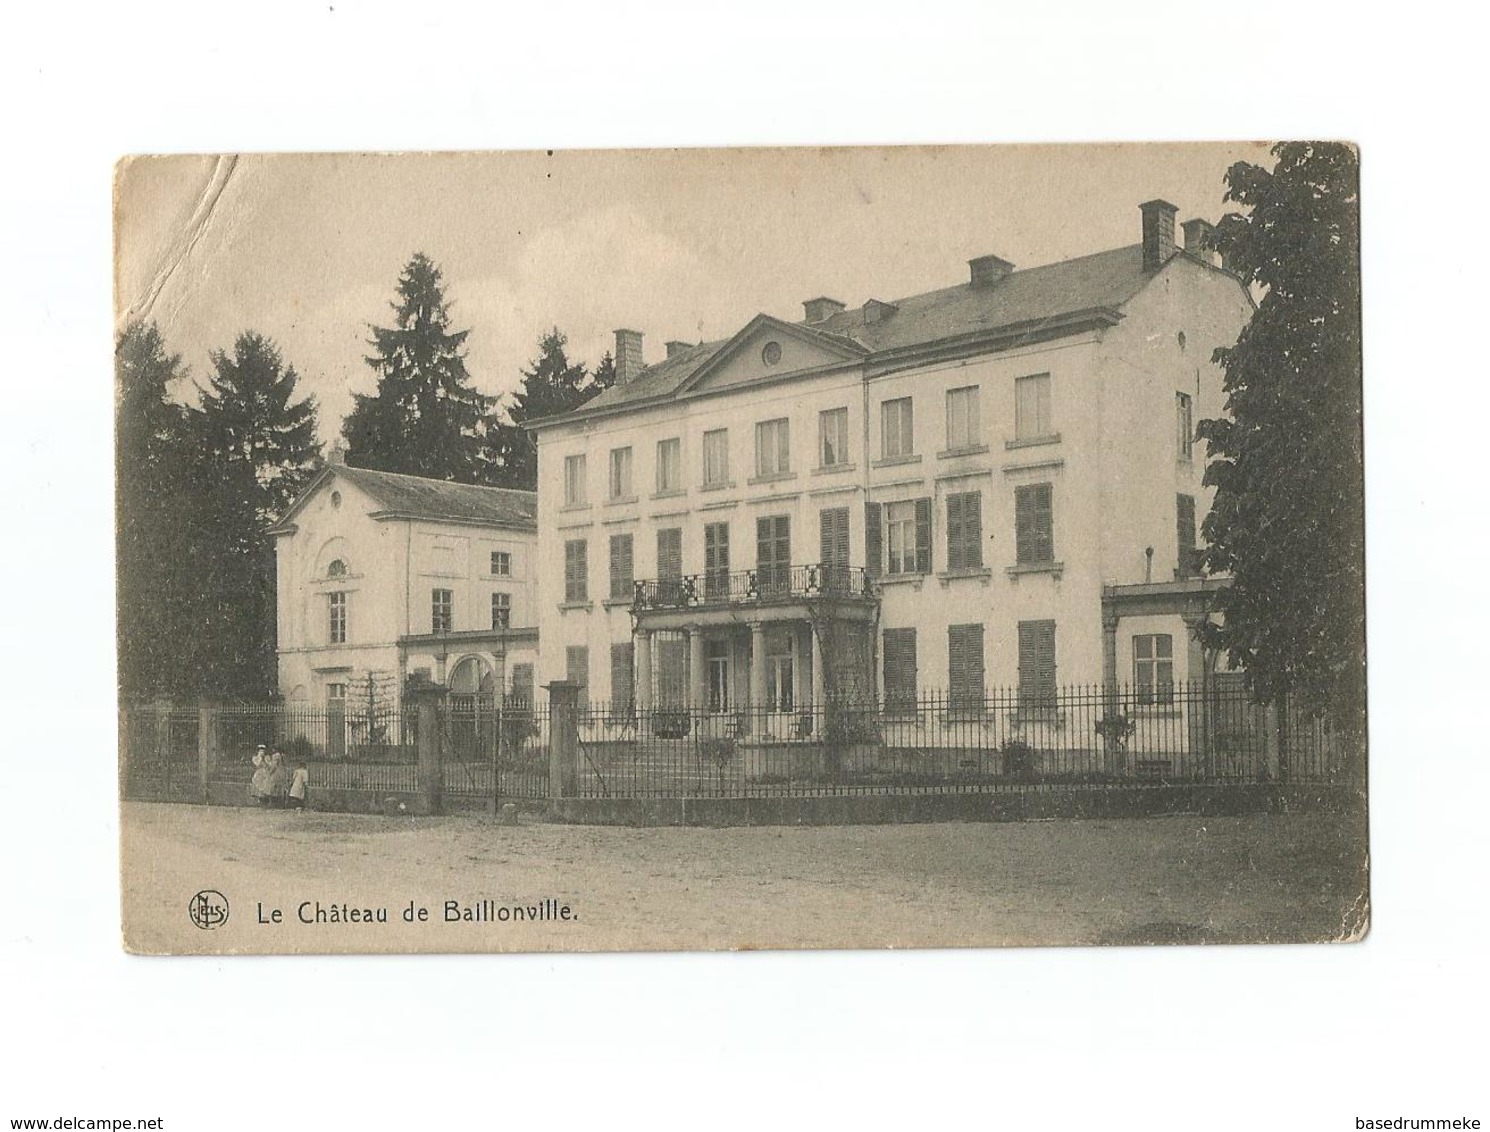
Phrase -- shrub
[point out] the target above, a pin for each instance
(1020, 761)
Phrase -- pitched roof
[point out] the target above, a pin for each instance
(420, 498)
(1103, 280)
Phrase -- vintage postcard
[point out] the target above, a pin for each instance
(845, 548)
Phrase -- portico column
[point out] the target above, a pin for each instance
(819, 682)
(697, 693)
(644, 669)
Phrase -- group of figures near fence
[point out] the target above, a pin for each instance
(485, 749)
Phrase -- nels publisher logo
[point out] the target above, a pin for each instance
(208, 909)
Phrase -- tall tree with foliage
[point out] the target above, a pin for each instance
(1288, 519)
(552, 384)
(153, 452)
(425, 418)
(257, 450)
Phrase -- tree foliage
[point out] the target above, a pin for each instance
(552, 385)
(1288, 519)
(425, 418)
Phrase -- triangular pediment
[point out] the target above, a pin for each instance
(767, 348)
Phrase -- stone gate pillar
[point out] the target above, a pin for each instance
(428, 702)
(563, 739)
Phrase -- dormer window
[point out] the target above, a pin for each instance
(337, 569)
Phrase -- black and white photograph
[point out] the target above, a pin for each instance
(555, 563)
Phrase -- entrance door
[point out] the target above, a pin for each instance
(773, 556)
(717, 658)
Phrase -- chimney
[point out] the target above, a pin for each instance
(987, 270)
(628, 355)
(820, 308)
(1200, 240)
(336, 456)
(1158, 233)
(676, 347)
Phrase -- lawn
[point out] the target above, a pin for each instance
(1176, 879)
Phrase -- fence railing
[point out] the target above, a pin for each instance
(1085, 737)
(740, 587)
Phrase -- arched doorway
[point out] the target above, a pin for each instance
(472, 704)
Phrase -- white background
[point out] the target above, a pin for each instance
(1287, 1037)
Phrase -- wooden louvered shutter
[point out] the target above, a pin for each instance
(965, 665)
(577, 669)
(621, 677)
(621, 572)
(874, 549)
(900, 669)
(1036, 664)
(1185, 534)
(972, 530)
(1032, 521)
(923, 535)
(954, 532)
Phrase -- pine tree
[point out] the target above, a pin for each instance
(256, 451)
(1288, 519)
(551, 385)
(152, 500)
(425, 418)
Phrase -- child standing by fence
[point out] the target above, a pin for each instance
(300, 786)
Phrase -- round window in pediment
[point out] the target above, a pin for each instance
(337, 569)
(771, 353)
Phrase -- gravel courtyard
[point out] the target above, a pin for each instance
(1179, 879)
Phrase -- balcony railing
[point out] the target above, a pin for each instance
(743, 587)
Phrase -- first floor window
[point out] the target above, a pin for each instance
(576, 570)
(965, 666)
(716, 560)
(574, 481)
(832, 430)
(773, 454)
(897, 431)
(1036, 665)
(1034, 536)
(965, 530)
(501, 563)
(1032, 407)
(716, 457)
(900, 537)
(620, 473)
(622, 570)
(441, 611)
(1153, 668)
(900, 670)
(337, 603)
(963, 427)
(501, 611)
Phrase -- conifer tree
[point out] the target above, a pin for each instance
(425, 418)
(1288, 519)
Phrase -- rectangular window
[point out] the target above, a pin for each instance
(577, 669)
(1184, 426)
(1034, 539)
(575, 494)
(965, 530)
(716, 561)
(833, 550)
(900, 538)
(576, 570)
(773, 553)
(717, 659)
(622, 574)
(501, 564)
(897, 430)
(773, 451)
(900, 670)
(670, 562)
(780, 677)
(716, 457)
(965, 666)
(1036, 665)
(501, 611)
(670, 660)
(522, 684)
(1032, 407)
(622, 678)
(1153, 668)
(963, 427)
(1188, 559)
(441, 611)
(832, 432)
(336, 695)
(669, 465)
(620, 473)
(337, 605)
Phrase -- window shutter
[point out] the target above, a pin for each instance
(621, 676)
(1185, 534)
(965, 664)
(900, 669)
(1032, 523)
(834, 536)
(972, 530)
(1036, 663)
(923, 535)
(954, 532)
(874, 551)
(577, 668)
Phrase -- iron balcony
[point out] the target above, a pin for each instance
(752, 587)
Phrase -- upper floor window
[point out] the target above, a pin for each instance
(669, 465)
(963, 427)
(897, 430)
(900, 538)
(575, 494)
(1032, 407)
(501, 611)
(773, 452)
(501, 563)
(620, 473)
(716, 457)
(1034, 534)
(576, 570)
(832, 431)
(337, 569)
(1184, 426)
(441, 611)
(337, 628)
